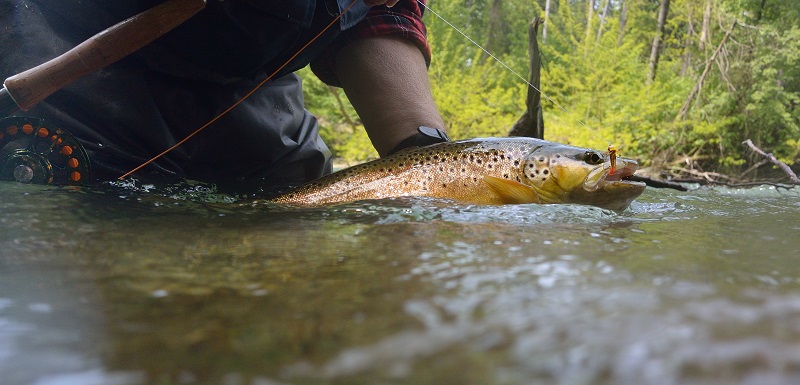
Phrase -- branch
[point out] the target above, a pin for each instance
(702, 78)
(753, 168)
(774, 160)
(707, 176)
(335, 92)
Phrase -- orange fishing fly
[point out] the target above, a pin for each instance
(612, 157)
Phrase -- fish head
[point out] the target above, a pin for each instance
(566, 174)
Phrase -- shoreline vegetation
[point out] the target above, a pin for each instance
(679, 85)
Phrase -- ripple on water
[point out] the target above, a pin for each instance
(566, 334)
(683, 288)
(430, 209)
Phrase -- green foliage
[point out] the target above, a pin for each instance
(339, 125)
(473, 105)
(593, 78)
(758, 99)
(775, 96)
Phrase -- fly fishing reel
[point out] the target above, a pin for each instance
(31, 151)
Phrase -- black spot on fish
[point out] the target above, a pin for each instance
(545, 172)
(516, 163)
(444, 185)
(541, 159)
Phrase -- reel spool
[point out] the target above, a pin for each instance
(33, 152)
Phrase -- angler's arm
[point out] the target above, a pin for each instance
(386, 80)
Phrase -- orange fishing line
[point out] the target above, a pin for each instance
(221, 114)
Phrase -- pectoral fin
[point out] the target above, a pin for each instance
(510, 191)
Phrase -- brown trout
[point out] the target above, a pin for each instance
(482, 171)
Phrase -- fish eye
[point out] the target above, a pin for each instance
(592, 157)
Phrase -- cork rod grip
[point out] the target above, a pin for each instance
(32, 86)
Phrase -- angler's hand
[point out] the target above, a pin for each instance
(388, 3)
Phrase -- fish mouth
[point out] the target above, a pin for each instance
(602, 177)
(622, 175)
(611, 190)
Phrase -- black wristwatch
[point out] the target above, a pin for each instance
(425, 137)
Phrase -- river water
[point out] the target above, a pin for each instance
(133, 284)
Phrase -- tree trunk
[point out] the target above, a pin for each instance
(760, 11)
(496, 41)
(687, 41)
(531, 123)
(589, 17)
(623, 19)
(655, 49)
(546, 18)
(705, 32)
(603, 19)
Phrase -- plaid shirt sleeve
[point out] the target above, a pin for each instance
(403, 20)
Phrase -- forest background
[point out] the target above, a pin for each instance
(675, 84)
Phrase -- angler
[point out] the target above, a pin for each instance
(128, 112)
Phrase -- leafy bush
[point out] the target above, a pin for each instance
(595, 78)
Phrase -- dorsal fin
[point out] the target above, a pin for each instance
(511, 192)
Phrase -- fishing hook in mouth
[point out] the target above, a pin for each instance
(602, 176)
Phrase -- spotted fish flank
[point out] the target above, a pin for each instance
(482, 171)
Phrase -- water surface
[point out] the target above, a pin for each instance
(141, 285)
